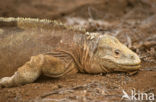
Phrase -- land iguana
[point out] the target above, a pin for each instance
(75, 50)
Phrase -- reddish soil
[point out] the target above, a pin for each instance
(132, 21)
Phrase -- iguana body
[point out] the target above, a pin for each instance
(75, 52)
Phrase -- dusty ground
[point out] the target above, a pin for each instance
(132, 21)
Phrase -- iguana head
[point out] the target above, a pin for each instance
(116, 56)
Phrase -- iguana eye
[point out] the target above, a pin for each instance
(117, 52)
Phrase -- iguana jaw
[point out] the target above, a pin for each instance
(113, 66)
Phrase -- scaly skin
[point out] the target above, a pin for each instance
(88, 53)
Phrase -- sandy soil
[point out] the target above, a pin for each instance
(132, 21)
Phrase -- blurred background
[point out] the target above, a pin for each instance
(55, 9)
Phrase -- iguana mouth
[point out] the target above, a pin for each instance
(127, 67)
(130, 66)
(121, 67)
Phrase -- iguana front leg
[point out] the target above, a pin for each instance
(41, 64)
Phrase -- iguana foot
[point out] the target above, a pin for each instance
(5, 82)
(41, 64)
(27, 73)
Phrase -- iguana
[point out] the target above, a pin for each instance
(75, 50)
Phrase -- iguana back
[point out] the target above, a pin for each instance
(21, 38)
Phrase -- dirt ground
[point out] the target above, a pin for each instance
(133, 22)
